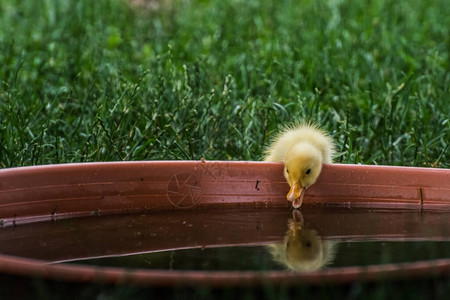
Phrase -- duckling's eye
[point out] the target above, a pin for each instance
(287, 171)
(308, 171)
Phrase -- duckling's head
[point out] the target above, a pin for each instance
(302, 167)
(304, 250)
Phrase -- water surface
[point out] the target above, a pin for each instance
(316, 237)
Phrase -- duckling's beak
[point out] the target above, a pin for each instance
(296, 194)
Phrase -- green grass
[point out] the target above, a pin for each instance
(101, 81)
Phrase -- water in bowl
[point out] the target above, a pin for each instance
(313, 238)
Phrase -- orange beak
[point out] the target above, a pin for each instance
(296, 194)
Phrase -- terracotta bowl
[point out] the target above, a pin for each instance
(85, 191)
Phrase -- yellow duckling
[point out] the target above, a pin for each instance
(303, 249)
(303, 149)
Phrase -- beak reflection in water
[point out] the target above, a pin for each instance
(302, 249)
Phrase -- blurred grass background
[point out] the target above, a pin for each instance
(106, 80)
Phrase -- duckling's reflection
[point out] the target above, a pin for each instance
(303, 249)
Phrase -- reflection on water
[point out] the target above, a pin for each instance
(302, 249)
(237, 239)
